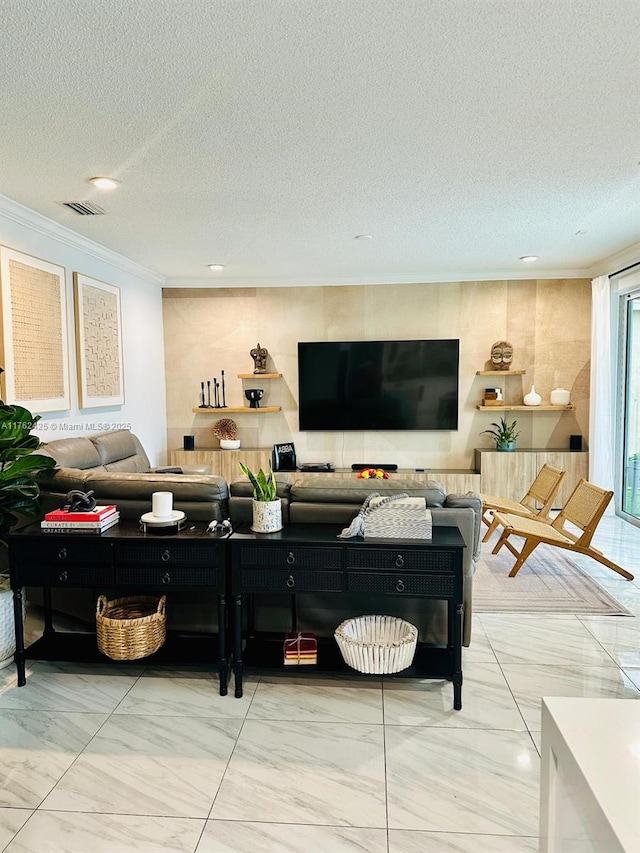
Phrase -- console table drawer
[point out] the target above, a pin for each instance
(167, 575)
(420, 560)
(293, 556)
(295, 580)
(438, 586)
(171, 554)
(64, 576)
(53, 552)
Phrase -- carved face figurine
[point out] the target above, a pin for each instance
(259, 355)
(501, 355)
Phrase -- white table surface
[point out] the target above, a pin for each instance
(597, 742)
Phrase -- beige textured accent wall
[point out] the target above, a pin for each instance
(548, 323)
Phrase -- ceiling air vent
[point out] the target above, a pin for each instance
(84, 208)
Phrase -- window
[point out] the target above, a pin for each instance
(630, 444)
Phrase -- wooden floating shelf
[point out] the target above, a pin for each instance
(236, 410)
(259, 376)
(543, 407)
(500, 372)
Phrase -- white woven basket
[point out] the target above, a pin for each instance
(7, 625)
(379, 645)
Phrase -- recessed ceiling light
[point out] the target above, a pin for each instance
(103, 183)
(364, 236)
(216, 267)
(529, 259)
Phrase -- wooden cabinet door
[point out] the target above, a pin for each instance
(508, 474)
(575, 463)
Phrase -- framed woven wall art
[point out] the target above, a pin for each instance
(34, 332)
(98, 342)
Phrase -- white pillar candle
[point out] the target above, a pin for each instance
(162, 504)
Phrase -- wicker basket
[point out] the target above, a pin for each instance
(380, 645)
(131, 628)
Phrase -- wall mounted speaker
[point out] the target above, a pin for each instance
(575, 442)
(188, 442)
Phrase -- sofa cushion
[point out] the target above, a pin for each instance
(78, 453)
(345, 490)
(242, 488)
(120, 450)
(185, 487)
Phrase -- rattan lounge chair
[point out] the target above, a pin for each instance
(583, 510)
(542, 491)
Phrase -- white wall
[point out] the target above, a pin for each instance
(144, 409)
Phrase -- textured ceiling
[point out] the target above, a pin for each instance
(266, 135)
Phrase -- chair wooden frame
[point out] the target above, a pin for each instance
(583, 510)
(543, 491)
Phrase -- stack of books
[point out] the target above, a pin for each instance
(96, 521)
(493, 397)
(300, 649)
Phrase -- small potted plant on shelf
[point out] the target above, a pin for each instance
(226, 430)
(267, 507)
(503, 434)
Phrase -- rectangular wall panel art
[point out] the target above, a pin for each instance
(34, 332)
(98, 342)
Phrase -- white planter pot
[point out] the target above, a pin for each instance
(230, 443)
(267, 516)
(7, 623)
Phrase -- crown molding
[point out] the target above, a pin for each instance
(335, 281)
(46, 227)
(618, 261)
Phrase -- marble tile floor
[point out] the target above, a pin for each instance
(119, 759)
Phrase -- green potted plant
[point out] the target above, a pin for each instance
(503, 434)
(19, 493)
(267, 506)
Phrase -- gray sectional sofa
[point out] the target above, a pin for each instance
(116, 468)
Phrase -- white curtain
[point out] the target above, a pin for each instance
(601, 409)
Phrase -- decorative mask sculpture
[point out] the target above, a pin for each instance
(501, 355)
(259, 355)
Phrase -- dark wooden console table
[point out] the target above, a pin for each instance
(122, 561)
(306, 558)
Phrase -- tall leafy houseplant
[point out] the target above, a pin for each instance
(19, 491)
(267, 506)
(19, 495)
(503, 434)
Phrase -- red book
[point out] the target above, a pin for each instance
(97, 514)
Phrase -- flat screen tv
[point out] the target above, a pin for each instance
(378, 385)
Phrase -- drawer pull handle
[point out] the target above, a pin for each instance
(291, 558)
(400, 586)
(166, 556)
(62, 554)
(64, 575)
(291, 582)
(399, 561)
(166, 578)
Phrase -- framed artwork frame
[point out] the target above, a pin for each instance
(35, 342)
(98, 320)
